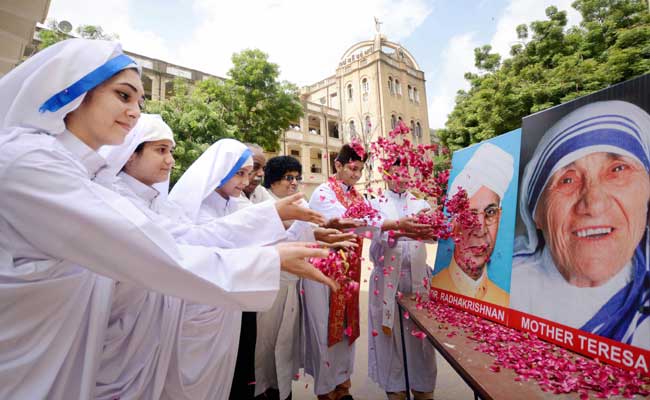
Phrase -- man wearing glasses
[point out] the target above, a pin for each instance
(485, 178)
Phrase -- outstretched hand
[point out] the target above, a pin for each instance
(292, 260)
(329, 235)
(344, 223)
(290, 208)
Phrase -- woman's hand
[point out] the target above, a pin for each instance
(289, 208)
(344, 223)
(292, 260)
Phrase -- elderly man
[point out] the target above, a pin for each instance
(486, 178)
(254, 192)
(586, 189)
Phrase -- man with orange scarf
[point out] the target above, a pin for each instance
(331, 322)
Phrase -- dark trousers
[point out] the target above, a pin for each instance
(243, 383)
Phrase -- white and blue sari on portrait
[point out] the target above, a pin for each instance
(619, 309)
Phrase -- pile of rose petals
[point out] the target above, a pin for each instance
(554, 369)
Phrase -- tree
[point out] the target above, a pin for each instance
(551, 64)
(53, 34)
(256, 103)
(196, 121)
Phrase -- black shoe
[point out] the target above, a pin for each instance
(347, 397)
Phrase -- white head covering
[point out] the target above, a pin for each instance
(490, 166)
(616, 127)
(150, 128)
(40, 92)
(210, 171)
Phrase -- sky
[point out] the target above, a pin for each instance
(307, 38)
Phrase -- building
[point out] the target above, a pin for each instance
(377, 84)
(18, 20)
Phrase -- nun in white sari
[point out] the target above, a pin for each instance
(142, 325)
(60, 230)
(206, 353)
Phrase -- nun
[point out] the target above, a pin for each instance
(205, 355)
(142, 324)
(584, 202)
(485, 178)
(399, 265)
(65, 238)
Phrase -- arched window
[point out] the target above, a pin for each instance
(353, 129)
(410, 91)
(391, 86)
(393, 121)
(365, 88)
(398, 87)
(418, 130)
(367, 124)
(417, 95)
(349, 88)
(412, 127)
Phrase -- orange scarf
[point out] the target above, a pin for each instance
(342, 311)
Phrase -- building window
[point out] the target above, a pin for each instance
(391, 85)
(417, 95)
(365, 88)
(410, 91)
(295, 154)
(418, 130)
(398, 88)
(412, 127)
(393, 121)
(349, 92)
(353, 129)
(367, 125)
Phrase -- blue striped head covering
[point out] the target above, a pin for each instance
(216, 166)
(40, 92)
(616, 127)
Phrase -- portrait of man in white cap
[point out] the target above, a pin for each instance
(584, 203)
(485, 177)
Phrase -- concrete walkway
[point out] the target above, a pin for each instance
(449, 385)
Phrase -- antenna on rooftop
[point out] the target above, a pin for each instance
(65, 26)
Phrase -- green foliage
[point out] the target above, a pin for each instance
(53, 35)
(550, 65)
(95, 32)
(195, 121)
(257, 104)
(251, 106)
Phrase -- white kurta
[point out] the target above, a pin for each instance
(408, 259)
(330, 366)
(277, 348)
(203, 363)
(143, 325)
(535, 277)
(54, 311)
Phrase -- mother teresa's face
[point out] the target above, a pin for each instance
(109, 111)
(593, 213)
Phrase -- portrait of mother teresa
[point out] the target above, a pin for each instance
(584, 201)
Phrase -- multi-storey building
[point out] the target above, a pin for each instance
(377, 84)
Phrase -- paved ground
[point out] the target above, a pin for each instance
(449, 385)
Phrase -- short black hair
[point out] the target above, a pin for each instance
(277, 167)
(348, 154)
